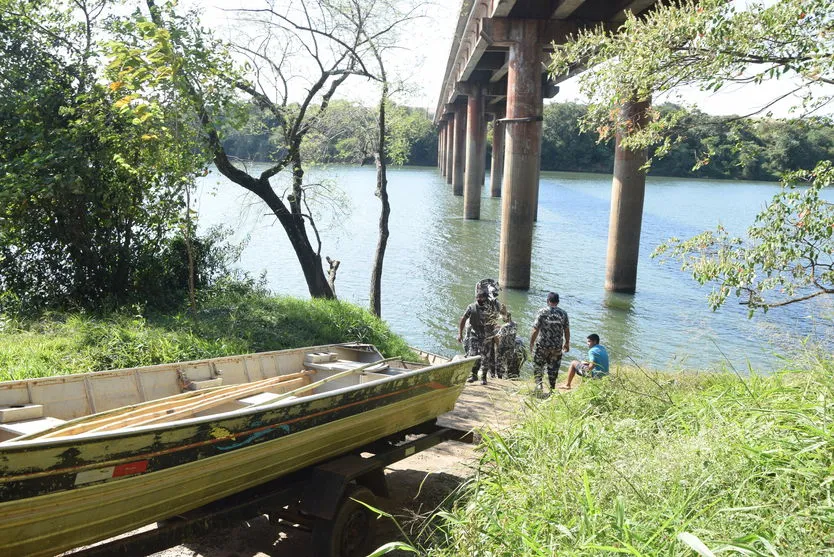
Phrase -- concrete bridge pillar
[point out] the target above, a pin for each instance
(441, 155)
(449, 146)
(484, 127)
(521, 154)
(627, 193)
(459, 150)
(475, 153)
(496, 174)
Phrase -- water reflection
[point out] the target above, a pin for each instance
(617, 326)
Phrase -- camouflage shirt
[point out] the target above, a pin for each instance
(551, 323)
(492, 313)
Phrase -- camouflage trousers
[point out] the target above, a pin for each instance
(511, 356)
(485, 348)
(546, 356)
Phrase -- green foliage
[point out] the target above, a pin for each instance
(705, 44)
(657, 465)
(91, 181)
(788, 256)
(162, 280)
(234, 318)
(565, 146)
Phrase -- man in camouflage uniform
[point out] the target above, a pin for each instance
(551, 337)
(483, 317)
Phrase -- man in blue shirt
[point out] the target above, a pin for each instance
(595, 367)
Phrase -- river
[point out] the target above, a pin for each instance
(434, 259)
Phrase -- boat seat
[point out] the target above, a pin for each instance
(26, 427)
(187, 384)
(207, 383)
(319, 357)
(18, 412)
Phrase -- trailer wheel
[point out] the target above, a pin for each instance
(351, 532)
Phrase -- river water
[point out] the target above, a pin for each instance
(434, 259)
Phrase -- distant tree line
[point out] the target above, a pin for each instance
(710, 146)
(345, 134)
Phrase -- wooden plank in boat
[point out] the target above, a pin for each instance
(95, 422)
(213, 403)
(207, 383)
(83, 423)
(178, 409)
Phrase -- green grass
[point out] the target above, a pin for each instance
(681, 464)
(231, 320)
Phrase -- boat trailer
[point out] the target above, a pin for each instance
(325, 499)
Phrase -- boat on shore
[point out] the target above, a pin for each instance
(89, 456)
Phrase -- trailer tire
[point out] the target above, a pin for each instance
(351, 532)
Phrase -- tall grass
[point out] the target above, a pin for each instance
(232, 319)
(657, 465)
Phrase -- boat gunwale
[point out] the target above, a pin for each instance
(231, 414)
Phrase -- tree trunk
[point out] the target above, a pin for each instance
(293, 224)
(382, 193)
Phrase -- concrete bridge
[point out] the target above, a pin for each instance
(496, 70)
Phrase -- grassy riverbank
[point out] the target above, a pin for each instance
(659, 465)
(234, 320)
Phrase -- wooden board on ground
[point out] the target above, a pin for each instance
(495, 405)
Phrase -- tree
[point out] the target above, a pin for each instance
(708, 44)
(91, 188)
(319, 37)
(378, 41)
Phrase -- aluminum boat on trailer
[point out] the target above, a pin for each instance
(89, 456)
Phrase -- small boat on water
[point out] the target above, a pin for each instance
(89, 456)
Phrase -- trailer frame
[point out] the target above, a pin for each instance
(319, 498)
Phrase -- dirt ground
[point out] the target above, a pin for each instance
(417, 484)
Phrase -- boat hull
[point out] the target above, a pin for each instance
(170, 471)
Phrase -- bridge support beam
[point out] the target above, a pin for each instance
(475, 153)
(627, 193)
(441, 156)
(496, 174)
(459, 150)
(521, 154)
(449, 147)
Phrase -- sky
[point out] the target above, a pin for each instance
(425, 44)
